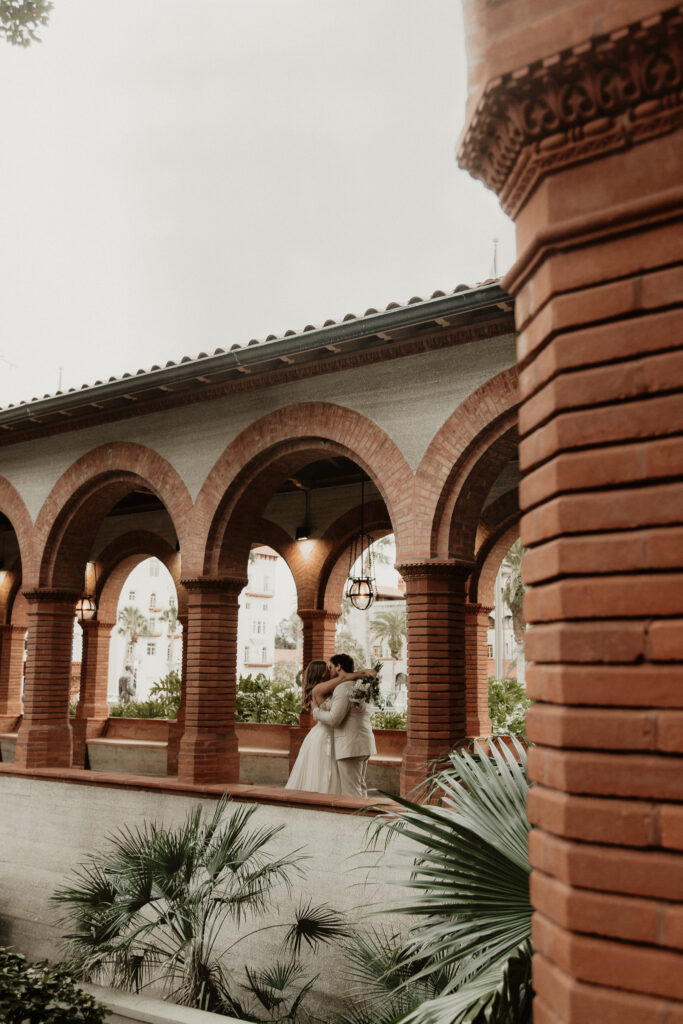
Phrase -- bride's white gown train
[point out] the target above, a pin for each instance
(315, 769)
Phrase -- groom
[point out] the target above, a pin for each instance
(354, 741)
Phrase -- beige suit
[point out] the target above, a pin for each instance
(354, 741)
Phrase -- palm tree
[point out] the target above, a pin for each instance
(390, 627)
(470, 880)
(133, 625)
(513, 595)
(156, 905)
(170, 617)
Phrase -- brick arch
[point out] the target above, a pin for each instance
(10, 591)
(268, 532)
(503, 508)
(477, 584)
(115, 563)
(316, 429)
(491, 559)
(72, 513)
(473, 427)
(12, 505)
(19, 613)
(473, 486)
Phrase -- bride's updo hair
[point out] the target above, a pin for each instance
(315, 672)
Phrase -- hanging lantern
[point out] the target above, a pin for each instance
(360, 586)
(85, 609)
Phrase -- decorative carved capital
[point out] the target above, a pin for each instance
(214, 584)
(317, 615)
(447, 568)
(478, 609)
(606, 95)
(52, 595)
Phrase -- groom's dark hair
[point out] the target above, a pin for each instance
(343, 661)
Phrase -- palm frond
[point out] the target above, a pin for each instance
(469, 881)
(315, 926)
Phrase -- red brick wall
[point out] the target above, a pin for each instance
(598, 289)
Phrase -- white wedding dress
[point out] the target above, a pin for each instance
(315, 769)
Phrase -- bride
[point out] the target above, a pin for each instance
(315, 769)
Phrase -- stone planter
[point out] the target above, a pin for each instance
(127, 1008)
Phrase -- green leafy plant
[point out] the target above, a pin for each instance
(470, 877)
(382, 979)
(21, 19)
(166, 692)
(42, 993)
(260, 700)
(158, 903)
(508, 705)
(389, 720)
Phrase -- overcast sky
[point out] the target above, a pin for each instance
(182, 176)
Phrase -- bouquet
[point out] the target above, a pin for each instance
(365, 691)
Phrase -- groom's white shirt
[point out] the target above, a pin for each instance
(353, 736)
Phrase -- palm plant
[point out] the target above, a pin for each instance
(470, 877)
(133, 625)
(382, 979)
(513, 595)
(154, 906)
(390, 626)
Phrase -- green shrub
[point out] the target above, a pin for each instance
(164, 701)
(139, 709)
(508, 705)
(42, 993)
(389, 720)
(260, 700)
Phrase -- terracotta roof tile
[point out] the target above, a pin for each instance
(371, 311)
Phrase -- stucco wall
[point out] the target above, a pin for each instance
(408, 398)
(48, 828)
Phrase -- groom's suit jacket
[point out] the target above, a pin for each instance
(353, 736)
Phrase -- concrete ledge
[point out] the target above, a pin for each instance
(8, 742)
(131, 756)
(127, 1008)
(235, 790)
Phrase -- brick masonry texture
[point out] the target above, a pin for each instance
(598, 288)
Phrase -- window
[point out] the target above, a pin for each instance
(247, 604)
(131, 595)
(151, 648)
(259, 626)
(265, 607)
(152, 625)
(264, 655)
(154, 568)
(377, 650)
(246, 654)
(129, 651)
(152, 600)
(489, 650)
(169, 652)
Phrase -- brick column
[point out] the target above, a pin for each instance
(594, 185)
(208, 749)
(92, 710)
(175, 729)
(318, 645)
(477, 721)
(11, 670)
(44, 739)
(435, 611)
(318, 633)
